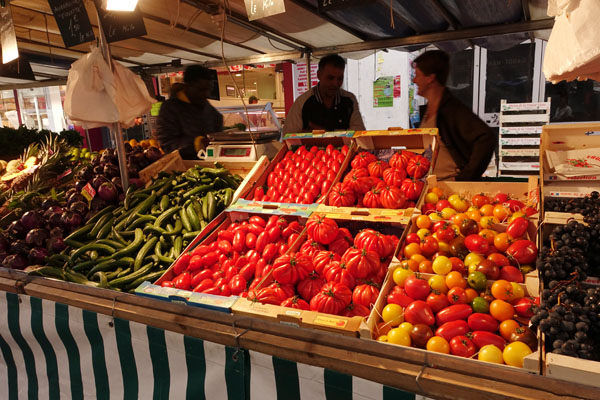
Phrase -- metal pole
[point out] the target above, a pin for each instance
(87, 138)
(308, 77)
(115, 129)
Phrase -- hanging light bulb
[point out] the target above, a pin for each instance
(121, 5)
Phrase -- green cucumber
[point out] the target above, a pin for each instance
(142, 253)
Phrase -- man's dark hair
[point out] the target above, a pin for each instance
(194, 73)
(333, 60)
(434, 62)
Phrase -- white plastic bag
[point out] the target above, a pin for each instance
(90, 95)
(573, 50)
(132, 96)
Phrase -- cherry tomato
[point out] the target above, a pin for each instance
(462, 346)
(438, 344)
(514, 353)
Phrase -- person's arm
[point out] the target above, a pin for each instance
(170, 134)
(356, 121)
(293, 120)
(212, 119)
(475, 131)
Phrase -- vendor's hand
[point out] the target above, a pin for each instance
(199, 143)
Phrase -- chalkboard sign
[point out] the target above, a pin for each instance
(73, 21)
(263, 8)
(330, 5)
(121, 25)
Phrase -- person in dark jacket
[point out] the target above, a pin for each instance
(188, 115)
(466, 143)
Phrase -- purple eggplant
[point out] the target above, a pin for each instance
(71, 220)
(97, 204)
(4, 243)
(32, 220)
(111, 171)
(152, 154)
(37, 256)
(108, 192)
(56, 244)
(80, 207)
(19, 247)
(15, 261)
(16, 229)
(36, 237)
(46, 204)
(98, 180)
(75, 198)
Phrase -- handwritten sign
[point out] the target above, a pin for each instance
(121, 25)
(73, 21)
(330, 5)
(263, 8)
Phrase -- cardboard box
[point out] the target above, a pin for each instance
(202, 300)
(310, 319)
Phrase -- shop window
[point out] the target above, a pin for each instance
(574, 101)
(509, 76)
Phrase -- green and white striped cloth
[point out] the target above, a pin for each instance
(53, 351)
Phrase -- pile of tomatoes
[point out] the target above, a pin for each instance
(303, 176)
(333, 271)
(376, 183)
(238, 259)
(445, 315)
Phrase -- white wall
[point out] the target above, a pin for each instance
(360, 75)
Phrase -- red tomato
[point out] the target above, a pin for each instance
(200, 276)
(310, 286)
(394, 177)
(342, 242)
(289, 269)
(418, 312)
(331, 299)
(265, 295)
(522, 252)
(372, 240)
(337, 272)
(365, 295)
(462, 346)
(361, 263)
(248, 271)
(295, 302)
(429, 246)
(167, 284)
(269, 252)
(182, 263)
(239, 241)
(412, 189)
(399, 296)
(453, 313)
(203, 285)
(457, 295)
(482, 322)
(511, 274)
(477, 244)
(452, 329)
(525, 307)
(437, 301)
(342, 195)
(500, 198)
(321, 229)
(416, 288)
(518, 227)
(498, 259)
(482, 338)
(392, 197)
(363, 159)
(417, 167)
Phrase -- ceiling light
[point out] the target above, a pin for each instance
(10, 51)
(121, 5)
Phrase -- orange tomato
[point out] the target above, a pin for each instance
(507, 328)
(411, 249)
(501, 310)
(502, 289)
(382, 328)
(501, 212)
(438, 344)
(471, 294)
(423, 222)
(502, 241)
(458, 219)
(488, 235)
(474, 215)
(480, 200)
(425, 267)
(418, 257)
(488, 221)
(410, 264)
(487, 210)
(455, 279)
(437, 191)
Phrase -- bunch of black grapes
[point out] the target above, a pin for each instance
(588, 205)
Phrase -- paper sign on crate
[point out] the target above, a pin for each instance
(173, 295)
(402, 216)
(271, 208)
(312, 135)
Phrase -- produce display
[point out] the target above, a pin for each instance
(568, 313)
(120, 247)
(238, 259)
(303, 176)
(375, 183)
(333, 272)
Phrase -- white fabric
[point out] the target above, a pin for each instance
(96, 97)
(573, 50)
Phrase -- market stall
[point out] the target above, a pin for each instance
(288, 278)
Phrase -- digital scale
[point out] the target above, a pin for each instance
(237, 145)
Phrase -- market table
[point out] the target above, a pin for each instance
(67, 340)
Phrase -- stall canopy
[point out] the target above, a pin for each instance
(190, 31)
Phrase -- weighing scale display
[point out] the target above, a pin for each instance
(235, 152)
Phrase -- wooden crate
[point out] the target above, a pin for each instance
(168, 163)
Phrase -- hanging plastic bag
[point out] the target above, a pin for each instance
(573, 50)
(132, 97)
(90, 94)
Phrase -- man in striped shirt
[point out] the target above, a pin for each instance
(325, 106)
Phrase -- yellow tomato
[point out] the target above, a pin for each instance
(491, 353)
(458, 219)
(456, 229)
(517, 292)
(473, 208)
(438, 282)
(436, 217)
(438, 344)
(488, 221)
(437, 191)
(443, 246)
(382, 338)
(488, 235)
(423, 222)
(400, 275)
(514, 353)
(418, 258)
(516, 215)
(411, 248)
(501, 212)
(475, 215)
(442, 265)
(399, 336)
(448, 212)
(422, 233)
(393, 314)
(473, 258)
(431, 198)
(407, 326)
(459, 203)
